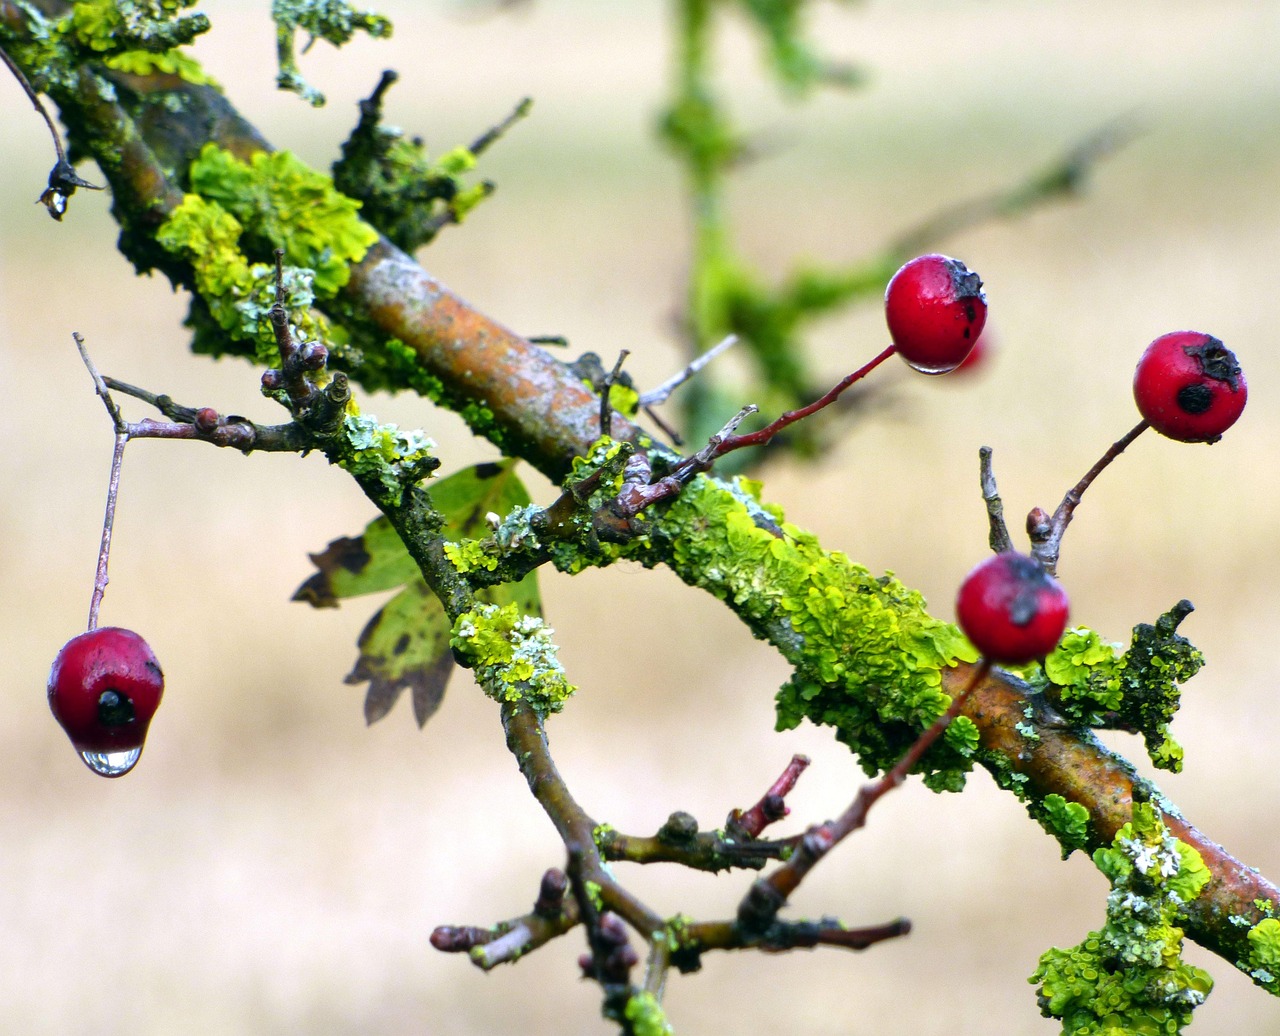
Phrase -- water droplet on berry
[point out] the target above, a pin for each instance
(924, 368)
(112, 764)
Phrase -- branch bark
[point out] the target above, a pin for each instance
(542, 413)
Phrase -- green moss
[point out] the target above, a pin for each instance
(513, 656)
(645, 1016)
(1129, 977)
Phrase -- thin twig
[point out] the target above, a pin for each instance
(998, 536)
(770, 893)
(662, 393)
(1046, 545)
(606, 390)
(36, 102)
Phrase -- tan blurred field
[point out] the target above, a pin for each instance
(273, 866)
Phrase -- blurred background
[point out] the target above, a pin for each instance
(274, 866)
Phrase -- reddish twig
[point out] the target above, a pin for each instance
(772, 806)
(636, 498)
(759, 908)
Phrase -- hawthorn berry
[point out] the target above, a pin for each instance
(935, 308)
(104, 687)
(1189, 387)
(1012, 609)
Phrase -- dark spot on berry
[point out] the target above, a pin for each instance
(966, 332)
(1031, 578)
(1195, 398)
(114, 709)
(971, 315)
(402, 645)
(1217, 362)
(964, 282)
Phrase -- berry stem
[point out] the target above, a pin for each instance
(765, 434)
(101, 579)
(1046, 538)
(636, 498)
(776, 888)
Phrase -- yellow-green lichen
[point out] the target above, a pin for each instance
(1097, 686)
(283, 203)
(645, 1016)
(513, 656)
(1067, 821)
(1263, 964)
(1129, 976)
(170, 62)
(868, 656)
(116, 26)
(385, 453)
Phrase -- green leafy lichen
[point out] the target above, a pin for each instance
(868, 656)
(1263, 964)
(1129, 977)
(385, 453)
(283, 203)
(333, 20)
(1096, 686)
(234, 294)
(513, 656)
(109, 27)
(1067, 821)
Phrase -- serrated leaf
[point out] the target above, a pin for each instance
(354, 565)
(406, 644)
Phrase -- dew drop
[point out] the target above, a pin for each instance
(111, 764)
(927, 368)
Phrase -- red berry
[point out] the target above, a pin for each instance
(1189, 387)
(1012, 609)
(104, 687)
(935, 309)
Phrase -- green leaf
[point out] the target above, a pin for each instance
(350, 566)
(406, 643)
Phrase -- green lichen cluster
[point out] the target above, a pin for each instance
(236, 209)
(333, 20)
(137, 36)
(645, 1016)
(407, 195)
(282, 203)
(513, 656)
(1067, 821)
(1096, 686)
(1128, 978)
(1263, 963)
(384, 453)
(868, 657)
